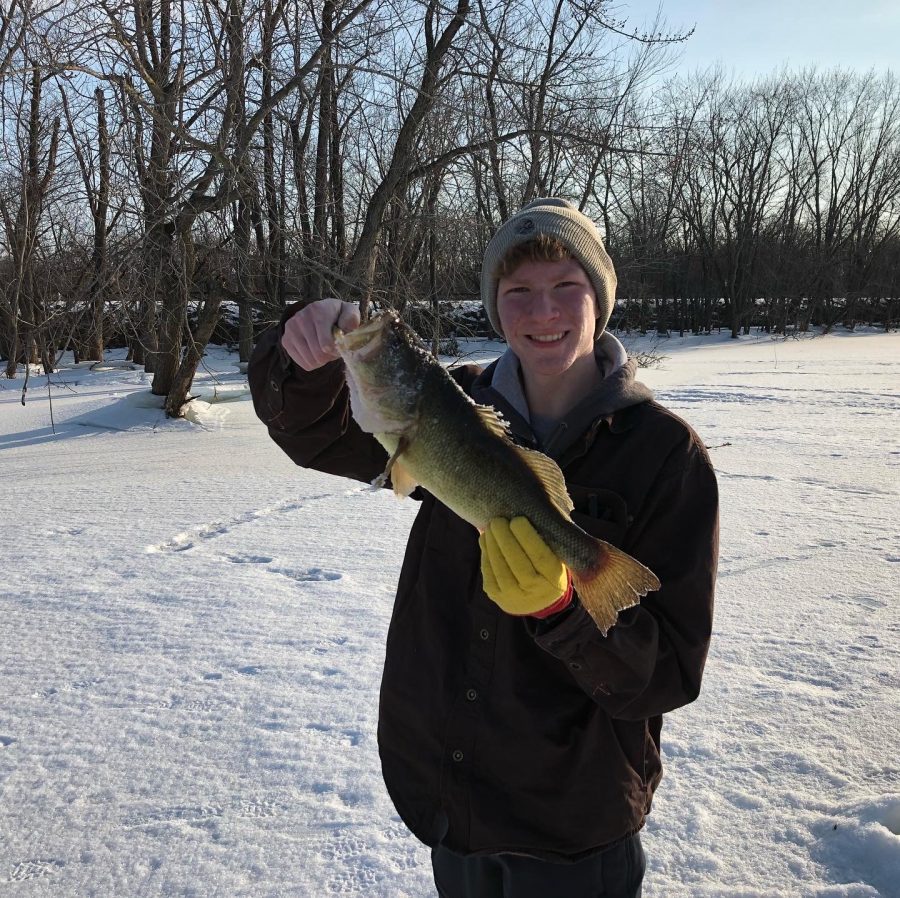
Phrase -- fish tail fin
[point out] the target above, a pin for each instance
(615, 582)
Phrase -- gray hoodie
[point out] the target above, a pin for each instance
(618, 390)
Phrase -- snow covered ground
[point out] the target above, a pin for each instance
(191, 637)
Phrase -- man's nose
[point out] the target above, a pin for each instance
(544, 304)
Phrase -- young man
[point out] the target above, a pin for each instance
(516, 740)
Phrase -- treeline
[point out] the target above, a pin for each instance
(774, 204)
(162, 159)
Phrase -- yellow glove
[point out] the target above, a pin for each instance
(519, 571)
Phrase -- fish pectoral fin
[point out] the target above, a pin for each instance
(402, 481)
(547, 471)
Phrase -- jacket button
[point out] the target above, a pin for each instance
(471, 695)
(275, 386)
(574, 665)
(457, 756)
(485, 634)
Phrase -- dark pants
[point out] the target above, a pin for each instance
(614, 873)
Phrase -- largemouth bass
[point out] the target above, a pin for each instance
(461, 452)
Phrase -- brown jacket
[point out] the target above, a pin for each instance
(499, 733)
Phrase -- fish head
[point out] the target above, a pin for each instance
(382, 347)
(365, 339)
(385, 364)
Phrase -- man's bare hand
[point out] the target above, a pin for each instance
(307, 337)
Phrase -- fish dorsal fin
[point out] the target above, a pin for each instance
(492, 421)
(547, 471)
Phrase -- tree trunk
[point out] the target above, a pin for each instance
(362, 265)
(177, 279)
(93, 346)
(321, 243)
(735, 318)
(184, 376)
(12, 350)
(23, 235)
(244, 298)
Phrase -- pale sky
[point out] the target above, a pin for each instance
(755, 37)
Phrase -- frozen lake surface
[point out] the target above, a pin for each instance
(193, 631)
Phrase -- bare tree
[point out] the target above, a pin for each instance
(240, 155)
(22, 221)
(95, 172)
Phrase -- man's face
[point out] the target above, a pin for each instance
(548, 311)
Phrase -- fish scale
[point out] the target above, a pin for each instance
(461, 452)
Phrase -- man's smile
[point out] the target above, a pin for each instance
(547, 338)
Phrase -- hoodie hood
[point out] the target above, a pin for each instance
(501, 386)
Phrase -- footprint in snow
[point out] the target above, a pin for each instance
(34, 869)
(6, 741)
(866, 601)
(257, 808)
(76, 686)
(181, 704)
(249, 559)
(346, 798)
(63, 531)
(307, 575)
(331, 642)
(274, 726)
(350, 864)
(348, 737)
(176, 814)
(181, 542)
(186, 540)
(178, 543)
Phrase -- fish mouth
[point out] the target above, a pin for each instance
(356, 340)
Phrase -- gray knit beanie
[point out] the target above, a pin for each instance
(561, 219)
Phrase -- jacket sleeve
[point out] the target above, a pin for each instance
(652, 660)
(308, 412)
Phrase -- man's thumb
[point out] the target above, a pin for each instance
(349, 318)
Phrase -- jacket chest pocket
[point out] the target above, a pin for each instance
(601, 513)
